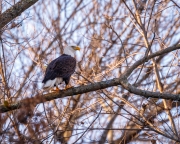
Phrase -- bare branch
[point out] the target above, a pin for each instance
(105, 84)
(15, 11)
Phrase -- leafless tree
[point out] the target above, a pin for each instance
(126, 84)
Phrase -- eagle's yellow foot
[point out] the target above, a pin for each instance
(6, 104)
(68, 86)
(55, 90)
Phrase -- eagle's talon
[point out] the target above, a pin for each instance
(55, 90)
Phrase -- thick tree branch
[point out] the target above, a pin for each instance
(148, 94)
(102, 85)
(93, 87)
(146, 58)
(65, 93)
(15, 11)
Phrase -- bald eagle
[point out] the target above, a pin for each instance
(61, 68)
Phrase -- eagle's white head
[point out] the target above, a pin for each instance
(71, 49)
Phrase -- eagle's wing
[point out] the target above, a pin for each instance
(63, 66)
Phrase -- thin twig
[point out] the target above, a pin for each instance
(88, 127)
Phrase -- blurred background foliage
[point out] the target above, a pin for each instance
(112, 35)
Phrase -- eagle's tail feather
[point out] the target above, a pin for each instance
(49, 84)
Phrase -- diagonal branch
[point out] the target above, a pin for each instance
(15, 11)
(146, 58)
(102, 85)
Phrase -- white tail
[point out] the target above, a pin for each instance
(50, 83)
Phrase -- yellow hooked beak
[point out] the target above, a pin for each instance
(77, 48)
